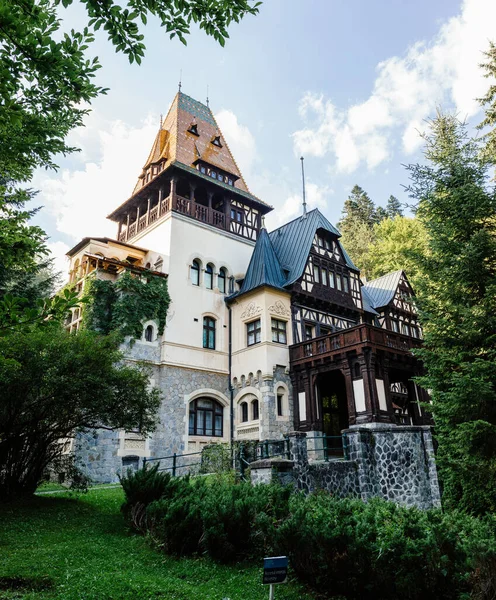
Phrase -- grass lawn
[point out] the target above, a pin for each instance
(78, 547)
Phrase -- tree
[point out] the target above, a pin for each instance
(398, 243)
(53, 384)
(356, 225)
(393, 208)
(456, 295)
(489, 101)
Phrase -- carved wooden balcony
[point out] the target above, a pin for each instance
(185, 206)
(349, 339)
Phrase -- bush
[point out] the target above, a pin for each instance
(142, 487)
(381, 550)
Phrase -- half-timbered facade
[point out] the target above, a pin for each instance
(266, 332)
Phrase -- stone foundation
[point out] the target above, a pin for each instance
(390, 462)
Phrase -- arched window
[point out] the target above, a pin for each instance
(209, 277)
(221, 280)
(205, 417)
(281, 404)
(149, 333)
(194, 272)
(209, 333)
(244, 411)
(254, 410)
(358, 372)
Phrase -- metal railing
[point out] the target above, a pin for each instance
(175, 466)
(329, 447)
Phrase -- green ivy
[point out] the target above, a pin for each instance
(123, 305)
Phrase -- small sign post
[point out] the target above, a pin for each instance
(275, 571)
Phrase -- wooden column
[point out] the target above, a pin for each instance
(127, 227)
(148, 211)
(350, 398)
(119, 228)
(137, 220)
(173, 193)
(210, 196)
(192, 187)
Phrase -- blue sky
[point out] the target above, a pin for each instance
(346, 84)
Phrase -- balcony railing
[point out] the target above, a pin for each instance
(185, 206)
(364, 334)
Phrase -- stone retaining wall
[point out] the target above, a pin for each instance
(391, 462)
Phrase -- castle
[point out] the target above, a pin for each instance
(266, 333)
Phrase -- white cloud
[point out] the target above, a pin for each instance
(316, 197)
(80, 200)
(58, 252)
(240, 139)
(443, 71)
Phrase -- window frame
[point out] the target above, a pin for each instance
(151, 329)
(222, 277)
(217, 410)
(195, 267)
(277, 330)
(244, 416)
(255, 410)
(209, 327)
(256, 332)
(209, 277)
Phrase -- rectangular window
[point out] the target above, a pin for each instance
(339, 284)
(346, 284)
(331, 279)
(405, 329)
(325, 331)
(253, 332)
(209, 333)
(394, 325)
(324, 277)
(279, 331)
(316, 273)
(280, 398)
(309, 329)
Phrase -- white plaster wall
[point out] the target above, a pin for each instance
(183, 336)
(359, 393)
(381, 393)
(263, 304)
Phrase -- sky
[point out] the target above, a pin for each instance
(349, 85)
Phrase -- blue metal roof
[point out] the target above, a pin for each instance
(381, 291)
(293, 241)
(264, 267)
(368, 302)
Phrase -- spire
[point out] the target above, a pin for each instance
(303, 181)
(180, 80)
(161, 120)
(207, 98)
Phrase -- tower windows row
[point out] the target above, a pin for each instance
(326, 275)
(225, 284)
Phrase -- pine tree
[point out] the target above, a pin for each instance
(489, 101)
(393, 208)
(381, 214)
(456, 296)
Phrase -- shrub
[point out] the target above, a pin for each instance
(379, 549)
(142, 487)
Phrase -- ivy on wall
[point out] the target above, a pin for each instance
(123, 305)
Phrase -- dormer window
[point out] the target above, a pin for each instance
(193, 128)
(216, 141)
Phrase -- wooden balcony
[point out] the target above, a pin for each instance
(178, 204)
(364, 335)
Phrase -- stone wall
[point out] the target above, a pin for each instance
(396, 463)
(386, 461)
(98, 453)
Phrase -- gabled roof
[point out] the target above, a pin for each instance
(264, 268)
(368, 302)
(293, 241)
(382, 290)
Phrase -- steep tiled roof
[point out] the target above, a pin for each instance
(293, 241)
(264, 267)
(381, 291)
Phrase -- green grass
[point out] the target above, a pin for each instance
(78, 547)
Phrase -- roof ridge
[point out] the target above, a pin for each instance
(230, 152)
